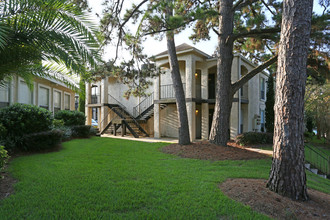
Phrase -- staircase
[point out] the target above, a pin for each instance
(318, 162)
(124, 120)
(145, 109)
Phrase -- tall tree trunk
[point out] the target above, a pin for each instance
(287, 176)
(221, 119)
(184, 136)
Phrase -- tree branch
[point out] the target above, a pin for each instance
(215, 31)
(267, 6)
(242, 3)
(131, 14)
(256, 32)
(238, 84)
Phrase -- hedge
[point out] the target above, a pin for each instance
(41, 141)
(254, 138)
(70, 118)
(81, 131)
(21, 119)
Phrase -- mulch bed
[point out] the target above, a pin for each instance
(253, 192)
(204, 150)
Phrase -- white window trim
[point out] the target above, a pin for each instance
(61, 106)
(19, 90)
(66, 93)
(50, 94)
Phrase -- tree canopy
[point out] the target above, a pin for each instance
(40, 37)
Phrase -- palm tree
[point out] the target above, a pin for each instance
(38, 37)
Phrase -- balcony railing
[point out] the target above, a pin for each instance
(167, 91)
(95, 99)
(245, 92)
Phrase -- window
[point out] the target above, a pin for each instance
(44, 97)
(57, 101)
(262, 120)
(4, 95)
(66, 101)
(25, 95)
(262, 88)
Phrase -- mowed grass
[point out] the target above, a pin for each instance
(104, 178)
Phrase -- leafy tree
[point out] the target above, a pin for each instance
(287, 176)
(40, 38)
(317, 105)
(269, 111)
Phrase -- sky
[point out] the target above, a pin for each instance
(153, 47)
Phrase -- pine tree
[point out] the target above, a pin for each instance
(270, 101)
(287, 176)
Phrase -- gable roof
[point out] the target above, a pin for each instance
(182, 48)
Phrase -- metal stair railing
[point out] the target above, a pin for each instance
(318, 159)
(143, 106)
(113, 101)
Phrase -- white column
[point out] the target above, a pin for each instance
(88, 110)
(205, 121)
(157, 108)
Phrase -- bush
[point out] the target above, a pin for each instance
(308, 134)
(70, 118)
(21, 119)
(254, 138)
(58, 123)
(3, 131)
(81, 131)
(67, 133)
(3, 157)
(93, 131)
(42, 140)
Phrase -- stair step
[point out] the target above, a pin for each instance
(314, 170)
(308, 166)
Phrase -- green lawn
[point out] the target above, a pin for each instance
(103, 178)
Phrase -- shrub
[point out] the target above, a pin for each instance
(67, 133)
(42, 140)
(81, 131)
(58, 123)
(254, 138)
(3, 157)
(3, 131)
(21, 119)
(93, 131)
(71, 118)
(308, 134)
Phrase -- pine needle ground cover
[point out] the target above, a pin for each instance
(104, 178)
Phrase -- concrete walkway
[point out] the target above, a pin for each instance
(267, 152)
(143, 139)
(174, 140)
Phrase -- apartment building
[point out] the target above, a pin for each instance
(47, 93)
(156, 115)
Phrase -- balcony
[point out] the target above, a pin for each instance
(167, 91)
(245, 93)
